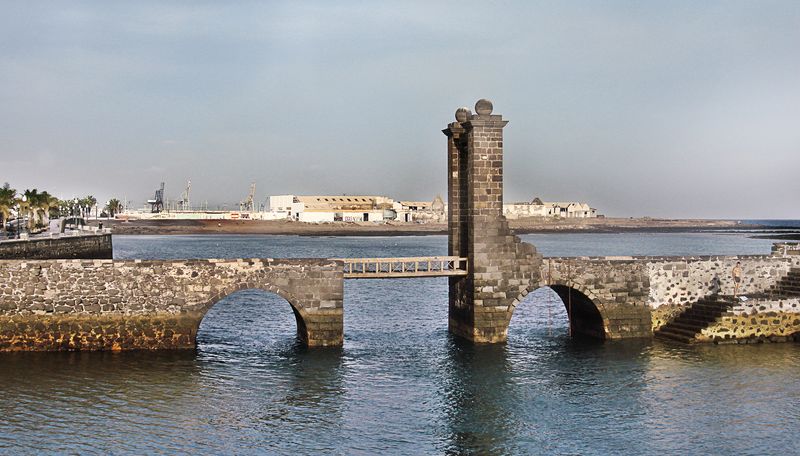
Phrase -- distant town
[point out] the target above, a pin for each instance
(356, 208)
(339, 208)
(32, 211)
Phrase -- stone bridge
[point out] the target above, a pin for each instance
(609, 298)
(110, 304)
(114, 305)
(626, 297)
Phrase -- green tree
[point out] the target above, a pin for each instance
(87, 203)
(7, 202)
(27, 204)
(113, 207)
(53, 206)
(30, 206)
(45, 203)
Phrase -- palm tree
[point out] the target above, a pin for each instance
(25, 205)
(45, 203)
(7, 201)
(88, 203)
(53, 206)
(114, 207)
(64, 207)
(29, 205)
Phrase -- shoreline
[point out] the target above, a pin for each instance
(519, 226)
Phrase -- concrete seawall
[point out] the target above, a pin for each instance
(84, 246)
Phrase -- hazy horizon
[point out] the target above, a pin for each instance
(680, 110)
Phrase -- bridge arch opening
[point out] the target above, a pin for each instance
(581, 316)
(250, 317)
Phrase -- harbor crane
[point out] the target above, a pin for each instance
(249, 203)
(186, 202)
(157, 203)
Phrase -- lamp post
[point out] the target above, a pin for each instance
(16, 219)
(24, 199)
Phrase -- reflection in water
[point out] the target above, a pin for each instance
(723, 399)
(59, 402)
(474, 400)
(271, 384)
(400, 384)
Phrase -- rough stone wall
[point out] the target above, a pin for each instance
(114, 305)
(757, 320)
(86, 246)
(682, 281)
(500, 265)
(677, 282)
(617, 288)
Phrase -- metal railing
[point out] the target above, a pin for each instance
(389, 268)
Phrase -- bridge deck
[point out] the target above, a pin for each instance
(393, 268)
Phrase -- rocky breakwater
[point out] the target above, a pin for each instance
(135, 304)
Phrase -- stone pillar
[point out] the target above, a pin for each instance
(501, 267)
(457, 205)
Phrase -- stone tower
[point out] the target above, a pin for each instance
(501, 267)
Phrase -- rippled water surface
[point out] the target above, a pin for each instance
(401, 384)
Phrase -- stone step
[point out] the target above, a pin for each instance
(693, 320)
(710, 307)
(686, 332)
(694, 328)
(793, 288)
(667, 334)
(702, 314)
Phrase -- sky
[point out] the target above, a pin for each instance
(663, 109)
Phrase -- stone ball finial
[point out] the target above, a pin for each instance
(462, 114)
(484, 107)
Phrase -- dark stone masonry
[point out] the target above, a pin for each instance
(84, 246)
(500, 265)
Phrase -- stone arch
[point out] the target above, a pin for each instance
(587, 315)
(301, 316)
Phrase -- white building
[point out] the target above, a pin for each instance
(539, 208)
(339, 208)
(423, 211)
(283, 206)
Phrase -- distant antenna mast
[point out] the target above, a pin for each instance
(188, 195)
